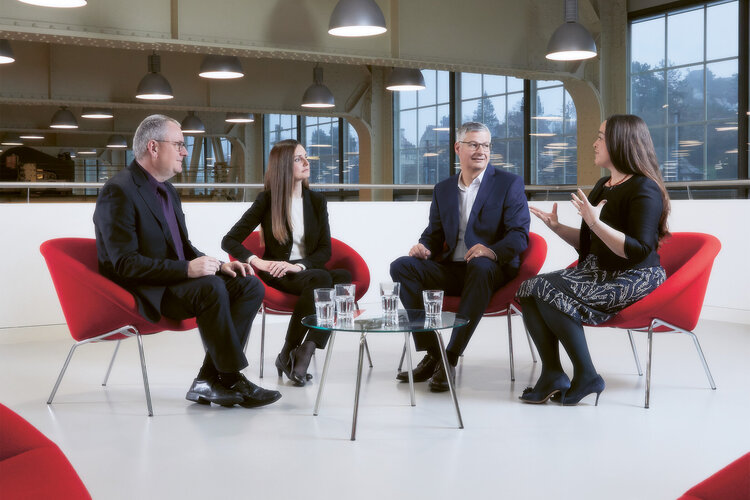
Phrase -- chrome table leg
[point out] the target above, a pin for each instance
(359, 384)
(324, 376)
(451, 388)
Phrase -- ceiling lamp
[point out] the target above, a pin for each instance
(62, 4)
(192, 124)
(30, 136)
(571, 41)
(357, 18)
(221, 67)
(6, 53)
(117, 142)
(11, 140)
(402, 79)
(63, 118)
(97, 113)
(154, 86)
(235, 117)
(317, 95)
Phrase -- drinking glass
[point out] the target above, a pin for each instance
(389, 298)
(345, 301)
(433, 302)
(324, 305)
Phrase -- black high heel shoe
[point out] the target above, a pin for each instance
(595, 385)
(557, 387)
(301, 357)
(288, 370)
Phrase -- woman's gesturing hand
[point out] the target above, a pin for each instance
(586, 210)
(549, 218)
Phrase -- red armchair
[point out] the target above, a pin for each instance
(675, 306)
(277, 302)
(502, 302)
(730, 483)
(95, 308)
(32, 466)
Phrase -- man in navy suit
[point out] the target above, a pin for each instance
(142, 243)
(478, 227)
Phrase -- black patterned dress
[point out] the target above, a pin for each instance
(602, 284)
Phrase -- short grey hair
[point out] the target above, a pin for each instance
(471, 127)
(153, 127)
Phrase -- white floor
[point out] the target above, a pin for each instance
(618, 450)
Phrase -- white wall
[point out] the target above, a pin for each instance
(380, 231)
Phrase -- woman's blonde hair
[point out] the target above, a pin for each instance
(279, 183)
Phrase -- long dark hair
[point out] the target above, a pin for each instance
(631, 151)
(279, 182)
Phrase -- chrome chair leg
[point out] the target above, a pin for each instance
(324, 376)
(367, 350)
(648, 362)
(358, 386)
(451, 388)
(409, 369)
(62, 372)
(262, 337)
(635, 353)
(145, 375)
(510, 346)
(111, 362)
(703, 358)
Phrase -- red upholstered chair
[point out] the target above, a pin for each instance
(675, 306)
(502, 302)
(32, 466)
(730, 483)
(95, 308)
(277, 302)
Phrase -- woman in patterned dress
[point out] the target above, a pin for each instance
(624, 219)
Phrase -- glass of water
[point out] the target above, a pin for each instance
(324, 305)
(345, 301)
(433, 302)
(389, 298)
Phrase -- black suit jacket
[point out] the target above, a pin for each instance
(499, 218)
(317, 231)
(133, 242)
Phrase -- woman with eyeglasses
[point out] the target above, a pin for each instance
(297, 241)
(624, 220)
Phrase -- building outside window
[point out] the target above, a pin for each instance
(554, 143)
(684, 84)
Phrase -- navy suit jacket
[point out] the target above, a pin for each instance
(133, 242)
(499, 218)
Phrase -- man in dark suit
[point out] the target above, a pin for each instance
(478, 227)
(142, 244)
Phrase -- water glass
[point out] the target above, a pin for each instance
(433, 302)
(389, 298)
(345, 301)
(324, 305)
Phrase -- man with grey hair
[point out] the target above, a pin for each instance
(478, 226)
(142, 243)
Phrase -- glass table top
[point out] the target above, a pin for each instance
(372, 321)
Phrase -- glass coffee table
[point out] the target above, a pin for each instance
(407, 322)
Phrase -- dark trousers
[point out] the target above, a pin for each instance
(475, 281)
(303, 283)
(224, 307)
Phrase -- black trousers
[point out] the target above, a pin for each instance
(475, 281)
(224, 307)
(303, 283)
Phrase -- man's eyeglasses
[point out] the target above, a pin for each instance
(299, 158)
(178, 144)
(474, 146)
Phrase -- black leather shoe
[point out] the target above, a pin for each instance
(438, 382)
(211, 390)
(253, 395)
(423, 371)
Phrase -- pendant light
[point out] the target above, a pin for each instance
(154, 86)
(571, 41)
(192, 124)
(97, 113)
(63, 118)
(31, 137)
(317, 95)
(117, 142)
(60, 4)
(221, 67)
(235, 117)
(356, 18)
(402, 79)
(6, 53)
